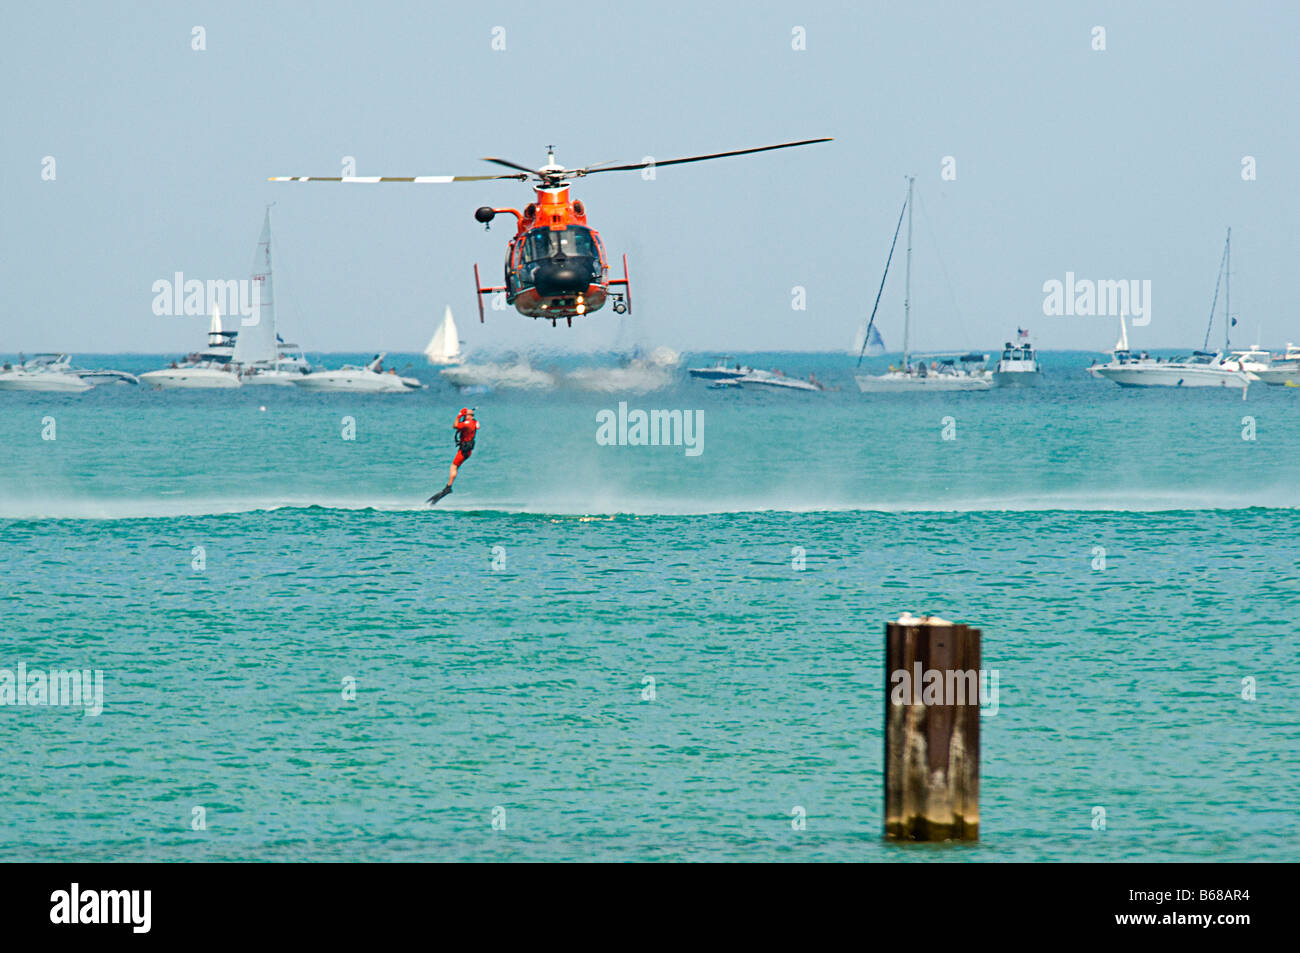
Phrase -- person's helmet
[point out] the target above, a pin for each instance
(464, 411)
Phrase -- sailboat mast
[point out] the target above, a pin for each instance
(907, 281)
(1227, 292)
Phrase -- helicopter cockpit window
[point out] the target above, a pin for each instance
(537, 245)
(577, 241)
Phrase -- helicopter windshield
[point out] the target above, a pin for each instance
(572, 241)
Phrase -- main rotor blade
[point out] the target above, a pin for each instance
(715, 155)
(371, 179)
(510, 165)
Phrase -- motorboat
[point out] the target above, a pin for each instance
(1017, 367)
(43, 372)
(212, 368)
(369, 378)
(1201, 369)
(1204, 368)
(721, 370)
(776, 380)
(1282, 370)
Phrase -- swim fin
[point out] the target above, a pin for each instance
(440, 494)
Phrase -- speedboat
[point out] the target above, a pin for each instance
(365, 379)
(1202, 369)
(776, 380)
(43, 372)
(1017, 367)
(210, 368)
(720, 371)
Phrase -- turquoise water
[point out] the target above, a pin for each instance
(500, 642)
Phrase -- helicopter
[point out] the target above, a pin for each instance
(556, 267)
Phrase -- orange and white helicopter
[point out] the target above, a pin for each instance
(556, 265)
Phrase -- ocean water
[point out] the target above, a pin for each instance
(1130, 558)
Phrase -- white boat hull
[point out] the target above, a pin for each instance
(914, 383)
(191, 378)
(1174, 375)
(48, 381)
(272, 378)
(1279, 376)
(776, 383)
(1016, 378)
(356, 382)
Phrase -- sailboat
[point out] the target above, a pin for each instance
(948, 372)
(1205, 368)
(260, 353)
(444, 347)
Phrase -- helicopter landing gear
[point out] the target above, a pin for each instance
(622, 299)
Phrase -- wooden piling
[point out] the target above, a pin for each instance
(932, 730)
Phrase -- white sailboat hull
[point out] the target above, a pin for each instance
(191, 378)
(913, 383)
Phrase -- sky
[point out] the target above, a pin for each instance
(1117, 163)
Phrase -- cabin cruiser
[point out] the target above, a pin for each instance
(1283, 369)
(1205, 368)
(43, 372)
(1018, 366)
(368, 379)
(944, 373)
(720, 371)
(1202, 369)
(210, 368)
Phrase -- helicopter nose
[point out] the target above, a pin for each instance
(567, 276)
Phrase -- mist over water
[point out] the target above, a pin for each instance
(1072, 444)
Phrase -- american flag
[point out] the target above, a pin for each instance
(1022, 333)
